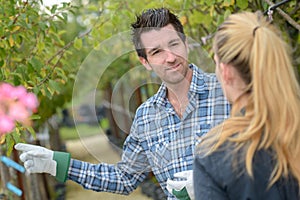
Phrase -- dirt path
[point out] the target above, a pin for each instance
(99, 150)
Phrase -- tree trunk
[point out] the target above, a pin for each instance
(4, 173)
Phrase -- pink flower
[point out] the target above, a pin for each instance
(30, 101)
(16, 105)
(5, 91)
(18, 92)
(18, 112)
(6, 124)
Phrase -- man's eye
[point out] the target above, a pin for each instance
(155, 52)
(174, 44)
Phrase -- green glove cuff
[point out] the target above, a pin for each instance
(181, 194)
(63, 162)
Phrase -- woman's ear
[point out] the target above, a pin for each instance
(145, 63)
(226, 73)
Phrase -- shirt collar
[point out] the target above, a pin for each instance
(198, 86)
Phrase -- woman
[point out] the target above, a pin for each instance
(255, 154)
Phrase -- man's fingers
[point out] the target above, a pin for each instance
(37, 154)
(30, 155)
(28, 164)
(177, 185)
(183, 174)
(29, 170)
(24, 157)
(26, 147)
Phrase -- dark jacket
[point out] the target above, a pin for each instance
(223, 176)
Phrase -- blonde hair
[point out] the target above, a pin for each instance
(272, 119)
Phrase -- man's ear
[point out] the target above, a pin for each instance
(145, 63)
(187, 46)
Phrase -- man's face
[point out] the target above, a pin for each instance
(166, 54)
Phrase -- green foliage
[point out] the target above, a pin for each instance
(200, 18)
(32, 54)
(43, 48)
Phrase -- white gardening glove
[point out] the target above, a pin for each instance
(183, 189)
(37, 159)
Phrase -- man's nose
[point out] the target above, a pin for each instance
(170, 56)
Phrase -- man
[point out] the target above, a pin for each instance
(166, 127)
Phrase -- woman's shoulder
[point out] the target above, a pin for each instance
(227, 167)
(218, 162)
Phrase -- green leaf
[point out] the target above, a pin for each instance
(53, 84)
(227, 13)
(46, 92)
(36, 89)
(36, 64)
(113, 6)
(210, 2)
(30, 68)
(9, 144)
(196, 18)
(53, 9)
(228, 3)
(61, 74)
(243, 4)
(186, 4)
(65, 16)
(78, 43)
(31, 131)
(17, 80)
(43, 26)
(16, 136)
(207, 20)
(34, 117)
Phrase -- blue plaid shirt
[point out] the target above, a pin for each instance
(159, 141)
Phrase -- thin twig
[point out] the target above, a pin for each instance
(60, 53)
(285, 16)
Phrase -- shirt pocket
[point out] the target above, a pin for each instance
(160, 154)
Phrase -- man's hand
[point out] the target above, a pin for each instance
(37, 159)
(182, 189)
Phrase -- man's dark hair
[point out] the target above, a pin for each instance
(153, 19)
